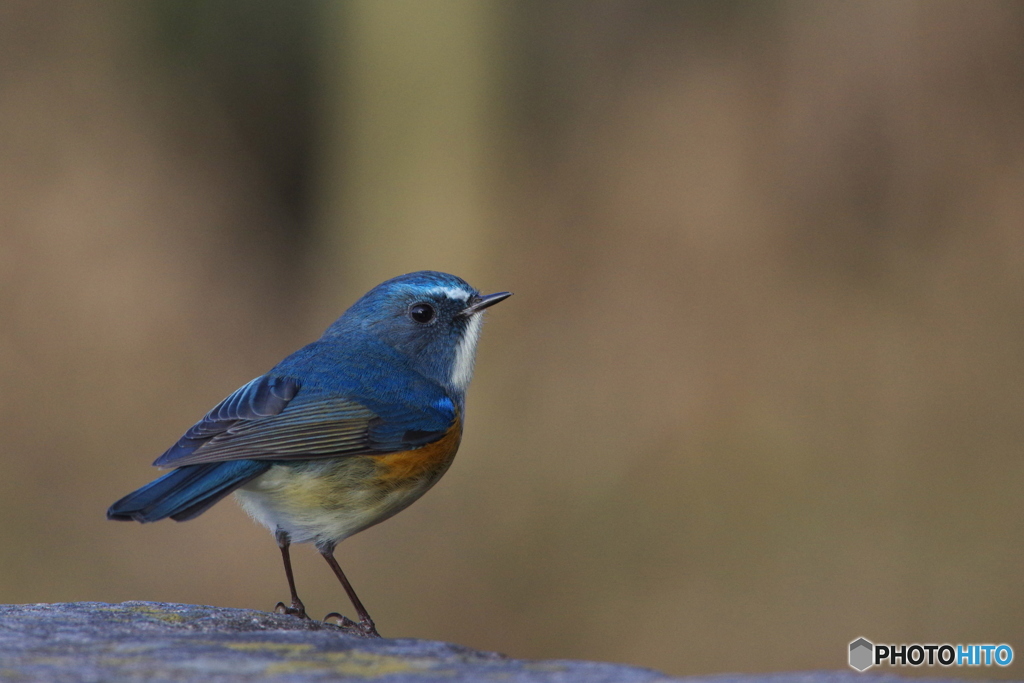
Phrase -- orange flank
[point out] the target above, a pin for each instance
(428, 462)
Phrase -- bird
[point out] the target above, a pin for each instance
(340, 435)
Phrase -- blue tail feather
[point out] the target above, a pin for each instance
(187, 492)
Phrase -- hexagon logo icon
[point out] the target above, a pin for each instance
(861, 651)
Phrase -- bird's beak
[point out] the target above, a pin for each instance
(479, 303)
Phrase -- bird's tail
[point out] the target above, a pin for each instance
(187, 492)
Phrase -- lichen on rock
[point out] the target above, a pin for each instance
(148, 641)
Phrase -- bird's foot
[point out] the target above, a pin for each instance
(297, 609)
(364, 626)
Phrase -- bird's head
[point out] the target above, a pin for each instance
(432, 318)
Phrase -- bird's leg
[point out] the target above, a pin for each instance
(297, 608)
(365, 622)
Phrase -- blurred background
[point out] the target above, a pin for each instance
(760, 389)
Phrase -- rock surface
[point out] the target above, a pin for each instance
(149, 641)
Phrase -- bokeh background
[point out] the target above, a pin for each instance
(759, 392)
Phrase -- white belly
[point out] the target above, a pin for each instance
(325, 501)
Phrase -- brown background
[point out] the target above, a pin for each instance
(759, 391)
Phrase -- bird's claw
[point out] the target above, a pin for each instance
(364, 626)
(296, 610)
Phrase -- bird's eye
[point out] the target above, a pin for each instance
(421, 313)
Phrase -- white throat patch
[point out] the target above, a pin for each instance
(465, 353)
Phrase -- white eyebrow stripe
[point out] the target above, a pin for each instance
(451, 292)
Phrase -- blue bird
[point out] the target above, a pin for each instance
(340, 435)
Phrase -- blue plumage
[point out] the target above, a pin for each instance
(341, 434)
(187, 492)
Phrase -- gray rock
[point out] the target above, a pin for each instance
(151, 641)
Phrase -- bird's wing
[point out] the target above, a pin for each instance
(270, 419)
